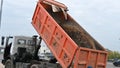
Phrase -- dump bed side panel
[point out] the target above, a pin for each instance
(61, 45)
(85, 58)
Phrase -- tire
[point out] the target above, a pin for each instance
(34, 66)
(9, 64)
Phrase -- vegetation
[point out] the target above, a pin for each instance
(113, 55)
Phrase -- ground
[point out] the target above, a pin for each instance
(109, 64)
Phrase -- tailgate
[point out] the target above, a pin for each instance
(86, 58)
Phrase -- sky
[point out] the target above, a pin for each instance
(100, 18)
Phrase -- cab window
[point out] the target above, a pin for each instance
(30, 42)
(21, 42)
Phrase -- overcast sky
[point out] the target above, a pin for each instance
(100, 18)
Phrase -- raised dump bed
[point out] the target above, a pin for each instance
(68, 41)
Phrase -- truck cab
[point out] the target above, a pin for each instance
(26, 52)
(20, 49)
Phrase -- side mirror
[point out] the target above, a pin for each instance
(34, 39)
(10, 36)
(2, 40)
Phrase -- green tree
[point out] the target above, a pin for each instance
(113, 54)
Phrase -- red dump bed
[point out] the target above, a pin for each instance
(64, 48)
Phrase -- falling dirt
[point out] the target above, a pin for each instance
(75, 31)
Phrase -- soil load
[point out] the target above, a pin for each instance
(75, 31)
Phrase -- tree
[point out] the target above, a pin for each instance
(113, 55)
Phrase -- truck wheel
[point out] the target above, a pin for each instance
(9, 64)
(34, 66)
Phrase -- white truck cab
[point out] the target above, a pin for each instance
(23, 51)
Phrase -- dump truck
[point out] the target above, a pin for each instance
(70, 44)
